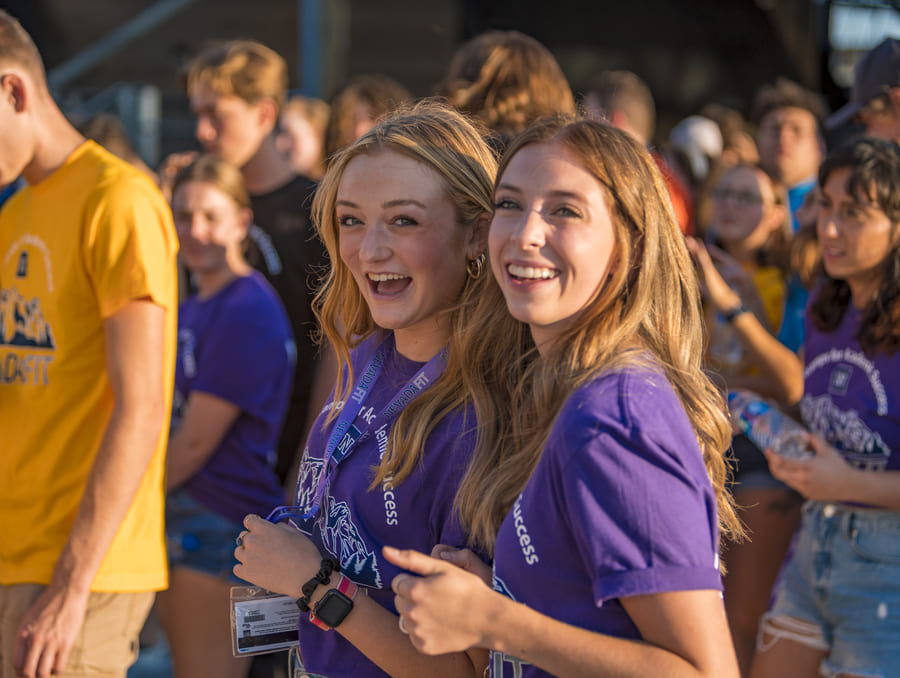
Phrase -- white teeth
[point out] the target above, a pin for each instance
(531, 273)
(384, 277)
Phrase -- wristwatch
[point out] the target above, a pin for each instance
(335, 605)
(733, 313)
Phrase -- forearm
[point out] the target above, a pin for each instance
(876, 488)
(781, 367)
(124, 454)
(572, 652)
(184, 460)
(376, 633)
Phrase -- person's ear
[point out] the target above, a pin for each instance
(245, 219)
(267, 112)
(478, 236)
(14, 90)
(777, 215)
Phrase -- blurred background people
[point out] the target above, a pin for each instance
(232, 388)
(506, 80)
(358, 105)
(301, 134)
(624, 100)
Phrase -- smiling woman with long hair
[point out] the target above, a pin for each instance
(604, 494)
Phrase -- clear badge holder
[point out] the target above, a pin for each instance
(262, 621)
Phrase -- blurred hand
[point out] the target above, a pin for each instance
(169, 167)
(822, 477)
(464, 559)
(443, 609)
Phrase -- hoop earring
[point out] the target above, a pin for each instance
(475, 267)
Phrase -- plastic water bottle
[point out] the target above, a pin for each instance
(767, 427)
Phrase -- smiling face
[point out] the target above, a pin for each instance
(552, 238)
(209, 224)
(401, 239)
(855, 235)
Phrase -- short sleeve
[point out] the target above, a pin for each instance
(130, 244)
(642, 515)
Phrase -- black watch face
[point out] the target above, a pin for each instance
(333, 607)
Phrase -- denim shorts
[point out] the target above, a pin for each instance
(844, 578)
(200, 539)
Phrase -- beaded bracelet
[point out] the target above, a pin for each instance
(323, 576)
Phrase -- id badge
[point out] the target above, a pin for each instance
(262, 621)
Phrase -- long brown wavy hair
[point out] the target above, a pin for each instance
(446, 142)
(649, 305)
(875, 175)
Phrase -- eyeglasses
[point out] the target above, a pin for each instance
(742, 198)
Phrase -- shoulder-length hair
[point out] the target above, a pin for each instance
(649, 303)
(874, 176)
(450, 145)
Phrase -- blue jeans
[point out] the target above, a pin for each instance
(199, 539)
(844, 579)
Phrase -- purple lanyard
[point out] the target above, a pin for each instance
(346, 434)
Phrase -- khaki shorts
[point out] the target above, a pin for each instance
(107, 643)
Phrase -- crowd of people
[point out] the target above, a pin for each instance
(450, 377)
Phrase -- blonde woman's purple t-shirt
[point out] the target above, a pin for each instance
(619, 505)
(354, 522)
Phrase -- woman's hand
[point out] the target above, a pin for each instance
(276, 557)
(442, 610)
(716, 288)
(822, 477)
(464, 559)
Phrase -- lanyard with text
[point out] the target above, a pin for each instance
(346, 433)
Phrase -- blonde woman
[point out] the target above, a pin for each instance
(403, 213)
(604, 501)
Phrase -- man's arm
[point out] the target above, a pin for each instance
(134, 338)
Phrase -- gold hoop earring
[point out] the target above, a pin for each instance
(475, 267)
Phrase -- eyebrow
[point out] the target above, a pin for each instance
(555, 194)
(399, 202)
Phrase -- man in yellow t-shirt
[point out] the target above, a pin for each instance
(87, 333)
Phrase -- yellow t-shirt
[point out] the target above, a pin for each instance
(74, 249)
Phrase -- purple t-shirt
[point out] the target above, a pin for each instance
(851, 399)
(619, 505)
(355, 522)
(237, 345)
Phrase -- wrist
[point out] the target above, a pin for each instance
(314, 589)
(730, 313)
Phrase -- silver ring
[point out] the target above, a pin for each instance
(240, 539)
(402, 627)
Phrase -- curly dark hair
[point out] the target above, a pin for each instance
(875, 175)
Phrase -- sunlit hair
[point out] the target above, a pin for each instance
(17, 48)
(453, 148)
(647, 311)
(874, 179)
(224, 176)
(507, 80)
(379, 93)
(242, 68)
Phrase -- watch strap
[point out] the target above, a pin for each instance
(345, 586)
(733, 313)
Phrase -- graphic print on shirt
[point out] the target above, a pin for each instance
(499, 660)
(845, 429)
(528, 550)
(22, 321)
(337, 529)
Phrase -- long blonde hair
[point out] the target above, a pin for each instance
(446, 142)
(650, 303)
